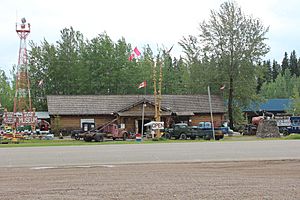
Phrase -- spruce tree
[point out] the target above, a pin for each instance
(275, 69)
(285, 62)
(294, 64)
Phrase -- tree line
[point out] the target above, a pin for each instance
(100, 66)
(279, 80)
(227, 53)
(6, 92)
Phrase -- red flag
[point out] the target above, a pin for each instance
(136, 51)
(143, 84)
(131, 57)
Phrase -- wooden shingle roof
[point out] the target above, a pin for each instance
(108, 104)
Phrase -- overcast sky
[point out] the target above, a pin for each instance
(156, 22)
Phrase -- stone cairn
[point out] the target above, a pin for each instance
(267, 129)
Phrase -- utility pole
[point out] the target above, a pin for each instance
(211, 113)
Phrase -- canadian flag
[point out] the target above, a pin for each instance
(143, 84)
(135, 53)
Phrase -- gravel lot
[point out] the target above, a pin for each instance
(206, 180)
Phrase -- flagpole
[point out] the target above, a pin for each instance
(143, 111)
(143, 114)
(211, 114)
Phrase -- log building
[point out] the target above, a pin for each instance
(69, 112)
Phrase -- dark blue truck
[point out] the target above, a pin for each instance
(295, 125)
(207, 126)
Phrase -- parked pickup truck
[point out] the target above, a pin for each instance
(183, 131)
(109, 130)
(219, 131)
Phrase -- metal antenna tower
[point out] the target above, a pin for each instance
(22, 99)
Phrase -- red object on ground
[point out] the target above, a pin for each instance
(257, 120)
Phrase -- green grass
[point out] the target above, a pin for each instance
(68, 142)
(37, 142)
(71, 142)
(247, 138)
(293, 137)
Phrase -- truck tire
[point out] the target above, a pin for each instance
(206, 137)
(125, 137)
(99, 138)
(77, 137)
(167, 136)
(87, 139)
(183, 136)
(285, 133)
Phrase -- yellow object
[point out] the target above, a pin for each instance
(14, 140)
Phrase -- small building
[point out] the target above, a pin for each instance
(43, 115)
(278, 107)
(71, 112)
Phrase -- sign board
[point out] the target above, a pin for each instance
(283, 122)
(27, 118)
(155, 125)
(158, 125)
(8, 118)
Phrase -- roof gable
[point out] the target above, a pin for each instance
(145, 101)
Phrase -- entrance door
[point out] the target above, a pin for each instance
(140, 125)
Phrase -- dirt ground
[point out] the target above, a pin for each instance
(211, 180)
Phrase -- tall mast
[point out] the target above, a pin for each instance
(22, 98)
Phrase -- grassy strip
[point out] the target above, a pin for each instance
(247, 138)
(68, 142)
(39, 143)
(293, 137)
